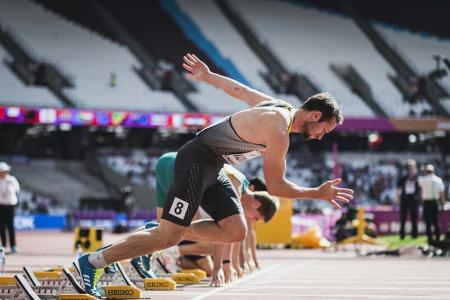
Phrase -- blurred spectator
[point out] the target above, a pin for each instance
(374, 179)
(137, 166)
(9, 187)
(432, 190)
(418, 88)
(408, 195)
(165, 72)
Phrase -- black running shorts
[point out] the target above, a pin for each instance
(199, 180)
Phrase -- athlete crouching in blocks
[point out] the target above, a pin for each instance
(199, 179)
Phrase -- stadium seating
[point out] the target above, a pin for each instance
(307, 40)
(217, 29)
(89, 59)
(138, 167)
(310, 40)
(418, 49)
(64, 181)
(446, 103)
(14, 92)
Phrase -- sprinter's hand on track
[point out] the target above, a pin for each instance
(197, 69)
(329, 191)
(229, 273)
(217, 278)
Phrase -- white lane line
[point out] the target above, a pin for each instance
(366, 281)
(217, 290)
(380, 277)
(334, 296)
(322, 288)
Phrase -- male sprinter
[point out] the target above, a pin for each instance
(262, 129)
(257, 205)
(194, 255)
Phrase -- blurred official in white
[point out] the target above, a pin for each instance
(9, 187)
(432, 191)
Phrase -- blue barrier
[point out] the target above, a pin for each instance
(39, 221)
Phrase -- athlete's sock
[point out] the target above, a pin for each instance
(97, 259)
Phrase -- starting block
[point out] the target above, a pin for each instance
(8, 287)
(185, 278)
(122, 292)
(54, 288)
(47, 274)
(199, 272)
(159, 284)
(76, 297)
(129, 291)
(7, 280)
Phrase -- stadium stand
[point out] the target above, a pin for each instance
(310, 40)
(207, 98)
(218, 29)
(373, 176)
(65, 181)
(155, 15)
(138, 167)
(418, 49)
(30, 202)
(91, 67)
(446, 103)
(144, 21)
(81, 12)
(14, 92)
(150, 25)
(103, 72)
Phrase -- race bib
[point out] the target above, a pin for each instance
(179, 208)
(234, 159)
(410, 187)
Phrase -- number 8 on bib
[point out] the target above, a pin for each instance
(179, 208)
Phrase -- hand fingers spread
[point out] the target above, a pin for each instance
(342, 199)
(188, 61)
(196, 58)
(345, 195)
(187, 67)
(335, 204)
(192, 57)
(345, 191)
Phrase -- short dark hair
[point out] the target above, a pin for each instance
(269, 204)
(258, 183)
(326, 104)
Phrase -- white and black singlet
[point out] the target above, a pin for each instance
(199, 179)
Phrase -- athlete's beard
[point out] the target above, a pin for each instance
(305, 129)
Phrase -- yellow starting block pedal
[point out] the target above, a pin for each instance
(76, 297)
(159, 284)
(122, 292)
(199, 272)
(7, 280)
(185, 278)
(47, 274)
